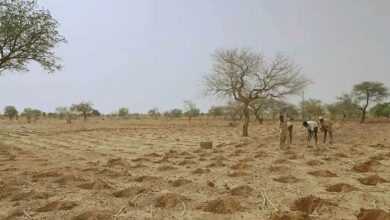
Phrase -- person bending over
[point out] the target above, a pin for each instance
(326, 126)
(312, 130)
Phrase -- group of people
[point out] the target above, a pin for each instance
(286, 130)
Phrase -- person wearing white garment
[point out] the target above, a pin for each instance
(312, 130)
(290, 129)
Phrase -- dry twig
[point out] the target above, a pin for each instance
(185, 208)
(27, 215)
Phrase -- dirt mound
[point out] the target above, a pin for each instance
(260, 154)
(138, 165)
(95, 215)
(145, 178)
(307, 204)
(237, 174)
(129, 192)
(206, 145)
(180, 182)
(163, 160)
(241, 191)
(279, 169)
(286, 179)
(279, 161)
(168, 200)
(366, 166)
(141, 159)
(186, 162)
(7, 188)
(373, 214)
(225, 205)
(340, 187)
(372, 180)
(289, 215)
(341, 155)
(110, 173)
(30, 195)
(378, 157)
(115, 162)
(293, 156)
(314, 163)
(218, 163)
(322, 173)
(201, 171)
(95, 185)
(153, 155)
(239, 166)
(166, 168)
(68, 179)
(57, 205)
(238, 152)
(46, 174)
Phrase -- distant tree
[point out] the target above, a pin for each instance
(233, 110)
(312, 107)
(27, 33)
(85, 108)
(176, 113)
(31, 114)
(154, 113)
(95, 112)
(167, 114)
(342, 108)
(381, 110)
(245, 76)
(64, 112)
(123, 112)
(190, 110)
(51, 115)
(216, 111)
(61, 111)
(11, 112)
(36, 113)
(364, 94)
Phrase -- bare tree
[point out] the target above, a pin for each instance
(246, 76)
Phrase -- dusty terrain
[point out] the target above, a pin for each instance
(146, 169)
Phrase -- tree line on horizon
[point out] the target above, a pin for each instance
(253, 83)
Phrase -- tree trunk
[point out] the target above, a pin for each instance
(85, 116)
(363, 115)
(246, 120)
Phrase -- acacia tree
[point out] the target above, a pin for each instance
(65, 112)
(27, 33)
(30, 113)
(381, 109)
(154, 113)
(11, 112)
(364, 94)
(85, 108)
(190, 109)
(216, 111)
(246, 76)
(312, 107)
(123, 112)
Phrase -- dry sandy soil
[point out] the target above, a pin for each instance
(146, 169)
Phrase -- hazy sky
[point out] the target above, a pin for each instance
(141, 54)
